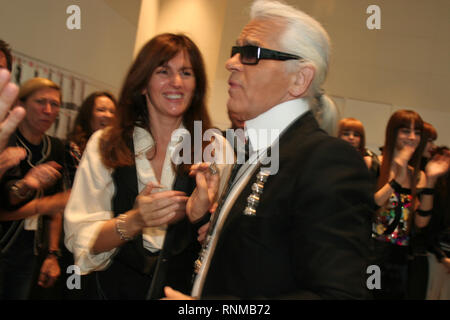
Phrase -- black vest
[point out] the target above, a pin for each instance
(136, 273)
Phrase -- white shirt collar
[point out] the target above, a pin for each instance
(263, 130)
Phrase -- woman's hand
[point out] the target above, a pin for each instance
(204, 197)
(437, 166)
(399, 168)
(156, 209)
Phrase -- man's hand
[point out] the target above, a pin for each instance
(11, 157)
(8, 94)
(175, 295)
(156, 209)
(204, 197)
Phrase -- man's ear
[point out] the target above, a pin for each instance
(303, 79)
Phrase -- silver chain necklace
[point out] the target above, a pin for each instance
(45, 151)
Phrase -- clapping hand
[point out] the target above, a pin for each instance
(438, 166)
(399, 170)
(156, 209)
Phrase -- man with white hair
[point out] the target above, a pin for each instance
(304, 231)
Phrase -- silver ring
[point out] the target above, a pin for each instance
(213, 168)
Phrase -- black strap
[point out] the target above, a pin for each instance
(426, 191)
(424, 213)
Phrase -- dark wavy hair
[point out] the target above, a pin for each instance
(132, 107)
(82, 129)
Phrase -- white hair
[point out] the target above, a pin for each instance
(326, 113)
(303, 36)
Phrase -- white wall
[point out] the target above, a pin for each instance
(102, 50)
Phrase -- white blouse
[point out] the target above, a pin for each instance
(89, 205)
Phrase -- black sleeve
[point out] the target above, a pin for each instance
(332, 224)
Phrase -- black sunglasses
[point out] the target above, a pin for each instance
(252, 54)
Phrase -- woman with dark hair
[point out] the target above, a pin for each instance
(403, 192)
(131, 208)
(352, 131)
(96, 112)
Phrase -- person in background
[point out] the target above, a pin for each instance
(352, 131)
(418, 266)
(438, 234)
(401, 198)
(96, 112)
(32, 244)
(129, 198)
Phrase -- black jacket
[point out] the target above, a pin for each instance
(310, 235)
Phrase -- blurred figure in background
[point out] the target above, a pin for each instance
(400, 199)
(96, 112)
(438, 236)
(418, 267)
(352, 131)
(37, 175)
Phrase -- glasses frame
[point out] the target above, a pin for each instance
(260, 53)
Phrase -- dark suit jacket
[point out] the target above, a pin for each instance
(310, 236)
